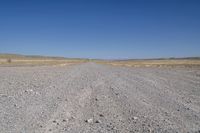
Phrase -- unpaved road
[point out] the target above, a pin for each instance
(91, 98)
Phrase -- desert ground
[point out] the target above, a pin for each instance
(23, 60)
(182, 62)
(99, 98)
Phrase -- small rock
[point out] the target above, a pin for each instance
(54, 121)
(64, 129)
(89, 120)
(101, 115)
(135, 118)
(64, 120)
(97, 121)
(71, 118)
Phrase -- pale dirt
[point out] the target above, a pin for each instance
(94, 98)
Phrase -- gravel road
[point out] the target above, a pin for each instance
(89, 98)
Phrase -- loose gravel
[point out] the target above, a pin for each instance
(89, 98)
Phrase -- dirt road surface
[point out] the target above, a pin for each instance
(94, 98)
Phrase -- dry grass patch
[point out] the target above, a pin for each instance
(19, 60)
(155, 63)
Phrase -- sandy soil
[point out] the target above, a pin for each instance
(90, 98)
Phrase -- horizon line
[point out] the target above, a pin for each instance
(52, 56)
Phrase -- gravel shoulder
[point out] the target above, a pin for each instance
(89, 97)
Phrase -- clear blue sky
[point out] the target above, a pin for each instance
(101, 28)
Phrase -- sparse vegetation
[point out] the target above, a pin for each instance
(155, 63)
(9, 60)
(21, 60)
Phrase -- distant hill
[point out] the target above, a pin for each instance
(19, 56)
(172, 58)
(32, 57)
(36, 60)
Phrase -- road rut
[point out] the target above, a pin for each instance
(90, 97)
